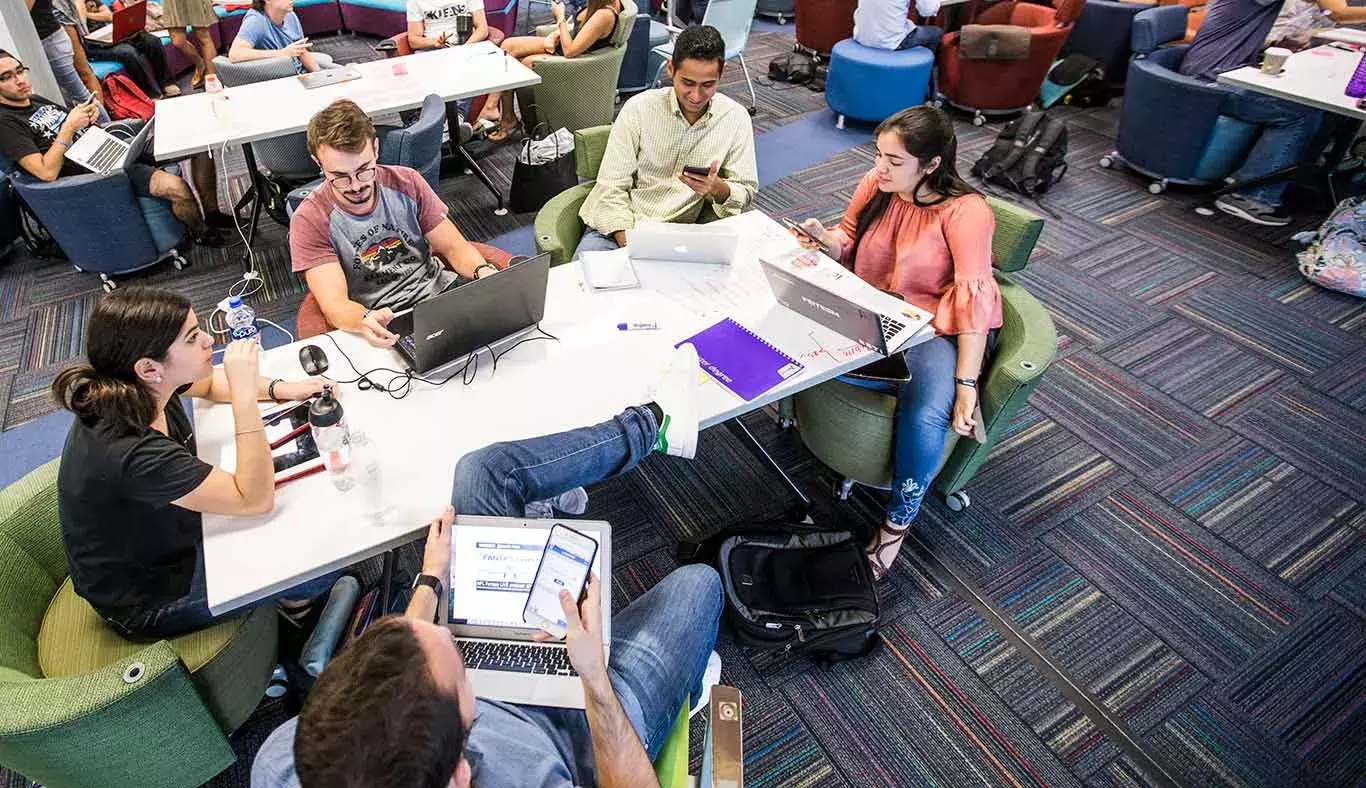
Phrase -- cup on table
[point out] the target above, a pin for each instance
(400, 68)
(1273, 60)
(211, 83)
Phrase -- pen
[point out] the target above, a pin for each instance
(647, 326)
(309, 471)
(294, 433)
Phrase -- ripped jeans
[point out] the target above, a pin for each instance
(924, 406)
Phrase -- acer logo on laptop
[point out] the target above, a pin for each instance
(435, 334)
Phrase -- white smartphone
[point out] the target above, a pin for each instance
(565, 562)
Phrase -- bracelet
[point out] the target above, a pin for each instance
(365, 314)
(270, 390)
(969, 382)
(250, 431)
(64, 144)
(482, 266)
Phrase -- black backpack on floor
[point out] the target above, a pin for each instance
(1029, 155)
(794, 589)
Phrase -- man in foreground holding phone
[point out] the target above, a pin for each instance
(710, 133)
(396, 708)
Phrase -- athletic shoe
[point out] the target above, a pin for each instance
(676, 395)
(1250, 210)
(217, 238)
(573, 502)
(710, 678)
(170, 91)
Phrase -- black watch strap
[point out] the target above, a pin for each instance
(430, 581)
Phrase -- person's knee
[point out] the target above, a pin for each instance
(170, 187)
(700, 585)
(478, 472)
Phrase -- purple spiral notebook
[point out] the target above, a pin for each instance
(740, 360)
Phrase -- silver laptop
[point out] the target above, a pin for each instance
(493, 561)
(329, 76)
(99, 151)
(885, 329)
(682, 243)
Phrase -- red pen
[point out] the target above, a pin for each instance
(291, 435)
(309, 471)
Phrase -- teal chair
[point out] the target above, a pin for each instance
(850, 427)
(80, 707)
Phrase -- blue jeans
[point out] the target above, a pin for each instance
(594, 241)
(61, 57)
(924, 406)
(191, 611)
(1287, 129)
(927, 36)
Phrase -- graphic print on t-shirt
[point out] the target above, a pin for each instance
(47, 120)
(386, 252)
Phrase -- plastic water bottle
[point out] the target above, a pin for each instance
(241, 320)
(369, 476)
(327, 420)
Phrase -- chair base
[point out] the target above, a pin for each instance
(1159, 183)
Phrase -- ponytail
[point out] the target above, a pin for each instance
(127, 404)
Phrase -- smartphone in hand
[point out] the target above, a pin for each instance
(565, 563)
(700, 172)
(805, 233)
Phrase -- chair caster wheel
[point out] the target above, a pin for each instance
(79, 270)
(109, 285)
(1107, 161)
(179, 262)
(786, 424)
(979, 119)
(753, 111)
(1157, 187)
(500, 211)
(958, 501)
(937, 103)
(1205, 210)
(843, 488)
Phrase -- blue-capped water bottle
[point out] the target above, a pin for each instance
(241, 319)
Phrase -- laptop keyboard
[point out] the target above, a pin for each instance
(408, 344)
(107, 156)
(516, 657)
(890, 327)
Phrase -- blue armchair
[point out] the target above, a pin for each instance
(79, 210)
(1102, 32)
(417, 145)
(1206, 146)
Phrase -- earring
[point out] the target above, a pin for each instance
(158, 378)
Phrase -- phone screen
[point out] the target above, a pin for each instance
(565, 562)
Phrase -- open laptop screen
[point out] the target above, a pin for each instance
(492, 568)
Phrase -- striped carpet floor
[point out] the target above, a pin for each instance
(1161, 580)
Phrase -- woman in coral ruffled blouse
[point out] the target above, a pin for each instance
(915, 228)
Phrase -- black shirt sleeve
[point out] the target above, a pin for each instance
(157, 470)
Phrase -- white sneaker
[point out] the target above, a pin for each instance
(710, 678)
(676, 395)
(573, 501)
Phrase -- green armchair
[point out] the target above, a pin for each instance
(849, 428)
(575, 93)
(80, 706)
(558, 228)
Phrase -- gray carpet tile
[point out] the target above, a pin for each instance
(1121, 772)
(1084, 309)
(1317, 433)
(1140, 270)
(1345, 381)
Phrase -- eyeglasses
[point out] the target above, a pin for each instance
(365, 174)
(9, 76)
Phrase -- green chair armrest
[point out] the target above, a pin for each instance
(1017, 230)
(590, 145)
(28, 510)
(1028, 341)
(671, 765)
(96, 729)
(558, 227)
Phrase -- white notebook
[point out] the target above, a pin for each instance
(609, 270)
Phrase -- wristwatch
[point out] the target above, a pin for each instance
(481, 267)
(434, 583)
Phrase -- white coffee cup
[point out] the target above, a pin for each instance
(1273, 60)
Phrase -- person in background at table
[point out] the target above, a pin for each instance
(886, 24)
(432, 23)
(197, 15)
(272, 29)
(141, 54)
(131, 490)
(61, 55)
(376, 239)
(1230, 38)
(591, 30)
(1300, 19)
(35, 134)
(687, 123)
(917, 229)
(396, 708)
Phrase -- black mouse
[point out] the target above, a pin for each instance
(313, 360)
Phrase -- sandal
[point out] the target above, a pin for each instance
(881, 569)
(503, 133)
(197, 80)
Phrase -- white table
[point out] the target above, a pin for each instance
(206, 121)
(105, 35)
(541, 387)
(1347, 35)
(1315, 77)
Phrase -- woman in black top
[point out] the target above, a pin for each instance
(131, 488)
(591, 31)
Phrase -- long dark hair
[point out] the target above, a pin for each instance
(925, 132)
(126, 325)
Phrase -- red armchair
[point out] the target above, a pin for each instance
(821, 24)
(999, 86)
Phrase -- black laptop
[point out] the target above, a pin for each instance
(447, 327)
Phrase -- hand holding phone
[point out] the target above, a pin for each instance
(565, 563)
(700, 172)
(802, 232)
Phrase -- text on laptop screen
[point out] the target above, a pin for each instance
(492, 568)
